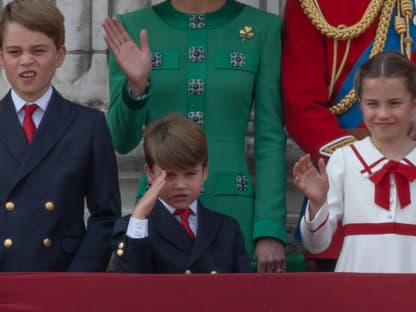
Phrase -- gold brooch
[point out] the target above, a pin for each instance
(247, 32)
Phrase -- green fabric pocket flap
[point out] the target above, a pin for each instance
(165, 59)
(238, 60)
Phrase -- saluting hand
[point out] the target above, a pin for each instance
(313, 183)
(134, 61)
(145, 205)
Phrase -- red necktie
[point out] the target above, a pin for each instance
(403, 174)
(184, 214)
(28, 125)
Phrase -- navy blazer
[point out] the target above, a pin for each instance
(218, 246)
(45, 185)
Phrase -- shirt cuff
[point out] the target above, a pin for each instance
(137, 228)
(321, 217)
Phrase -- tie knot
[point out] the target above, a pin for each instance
(183, 213)
(392, 165)
(30, 109)
(402, 173)
(408, 171)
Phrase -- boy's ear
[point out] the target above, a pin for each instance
(1, 57)
(413, 106)
(149, 173)
(60, 55)
(205, 171)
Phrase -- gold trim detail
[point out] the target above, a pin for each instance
(330, 148)
(314, 13)
(342, 32)
(402, 26)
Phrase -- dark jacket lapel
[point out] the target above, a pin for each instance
(169, 228)
(11, 132)
(57, 118)
(208, 225)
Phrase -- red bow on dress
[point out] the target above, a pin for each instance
(403, 174)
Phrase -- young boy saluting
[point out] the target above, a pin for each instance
(55, 155)
(170, 231)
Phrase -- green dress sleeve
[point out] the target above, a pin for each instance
(270, 142)
(126, 115)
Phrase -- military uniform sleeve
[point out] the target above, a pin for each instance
(305, 84)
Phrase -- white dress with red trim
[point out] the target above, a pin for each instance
(374, 198)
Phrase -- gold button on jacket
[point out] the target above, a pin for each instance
(49, 206)
(7, 243)
(9, 206)
(47, 242)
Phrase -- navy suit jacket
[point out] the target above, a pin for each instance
(44, 187)
(218, 246)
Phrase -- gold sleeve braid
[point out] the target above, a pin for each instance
(347, 33)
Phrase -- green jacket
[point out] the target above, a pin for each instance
(211, 68)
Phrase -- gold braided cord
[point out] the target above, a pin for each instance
(400, 28)
(345, 104)
(344, 60)
(341, 32)
(407, 11)
(314, 13)
(335, 73)
(379, 42)
(407, 8)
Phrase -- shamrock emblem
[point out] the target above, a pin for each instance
(246, 33)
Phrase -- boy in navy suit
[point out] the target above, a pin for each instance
(55, 155)
(169, 230)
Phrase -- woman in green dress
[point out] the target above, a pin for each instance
(210, 60)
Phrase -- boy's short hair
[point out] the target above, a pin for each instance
(174, 142)
(37, 15)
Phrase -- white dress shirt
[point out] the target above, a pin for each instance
(139, 228)
(42, 103)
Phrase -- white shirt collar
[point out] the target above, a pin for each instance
(42, 102)
(193, 206)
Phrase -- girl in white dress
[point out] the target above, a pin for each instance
(370, 185)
